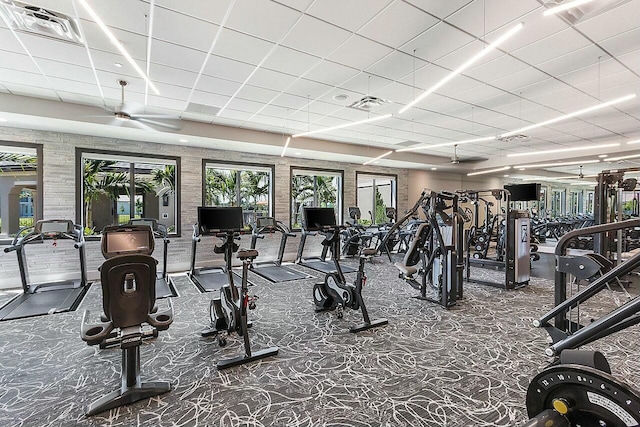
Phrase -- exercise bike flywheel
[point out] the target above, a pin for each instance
(586, 396)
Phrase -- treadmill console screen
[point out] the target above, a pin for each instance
(54, 227)
(317, 218)
(213, 220)
(127, 242)
(266, 221)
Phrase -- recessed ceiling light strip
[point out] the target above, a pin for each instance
(286, 144)
(615, 159)
(446, 144)
(377, 158)
(636, 141)
(464, 66)
(565, 150)
(344, 125)
(565, 6)
(86, 47)
(213, 44)
(117, 44)
(551, 165)
(489, 171)
(570, 115)
(152, 5)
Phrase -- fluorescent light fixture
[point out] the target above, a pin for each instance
(506, 176)
(564, 150)
(2, 120)
(434, 169)
(565, 6)
(377, 158)
(286, 144)
(298, 153)
(635, 141)
(602, 156)
(536, 178)
(342, 126)
(489, 171)
(446, 144)
(117, 44)
(570, 115)
(464, 66)
(549, 165)
(183, 140)
(631, 156)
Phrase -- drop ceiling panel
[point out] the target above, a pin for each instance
(499, 67)
(625, 17)
(74, 86)
(17, 61)
(262, 18)
(25, 90)
(258, 94)
(536, 27)
(163, 74)
(559, 44)
(398, 24)
(631, 60)
(290, 61)
(364, 84)
(478, 94)
(173, 92)
(277, 111)
(440, 8)
(17, 78)
(289, 101)
(348, 14)
(209, 98)
(77, 98)
(397, 93)
(368, 51)
(458, 85)
(622, 43)
(498, 13)
(9, 42)
(520, 79)
(64, 70)
(331, 73)
(241, 47)
(225, 68)
(216, 85)
(230, 113)
(194, 8)
(460, 56)
(272, 79)
(41, 47)
(396, 65)
(322, 108)
(304, 88)
(437, 42)
(135, 44)
(315, 37)
(176, 105)
(170, 27)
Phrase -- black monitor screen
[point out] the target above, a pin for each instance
(523, 192)
(54, 227)
(219, 219)
(134, 241)
(317, 218)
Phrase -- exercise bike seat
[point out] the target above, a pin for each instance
(368, 252)
(405, 269)
(247, 254)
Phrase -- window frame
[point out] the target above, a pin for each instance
(241, 166)
(374, 175)
(339, 172)
(39, 211)
(79, 169)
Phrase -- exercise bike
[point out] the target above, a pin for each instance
(228, 312)
(335, 293)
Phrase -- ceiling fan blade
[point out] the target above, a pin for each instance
(139, 124)
(174, 124)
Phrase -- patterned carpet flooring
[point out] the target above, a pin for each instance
(466, 366)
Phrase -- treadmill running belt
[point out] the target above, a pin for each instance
(165, 288)
(277, 274)
(212, 281)
(326, 266)
(40, 303)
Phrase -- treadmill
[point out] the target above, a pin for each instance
(165, 287)
(208, 279)
(51, 297)
(274, 271)
(311, 216)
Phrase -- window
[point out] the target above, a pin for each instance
(117, 187)
(241, 184)
(20, 187)
(315, 187)
(375, 194)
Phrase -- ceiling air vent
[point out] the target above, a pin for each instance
(585, 11)
(513, 138)
(42, 22)
(368, 103)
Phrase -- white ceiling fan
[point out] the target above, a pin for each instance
(455, 159)
(129, 113)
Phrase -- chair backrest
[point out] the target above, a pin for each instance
(128, 289)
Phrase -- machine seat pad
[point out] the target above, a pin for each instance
(406, 270)
(247, 253)
(369, 251)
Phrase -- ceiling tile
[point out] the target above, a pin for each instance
(304, 87)
(315, 37)
(228, 69)
(257, 94)
(437, 41)
(17, 61)
(133, 21)
(496, 68)
(331, 73)
(292, 102)
(135, 44)
(9, 42)
(262, 18)
(64, 70)
(216, 85)
(520, 79)
(78, 98)
(290, 61)
(365, 84)
(460, 56)
(348, 14)
(368, 52)
(167, 24)
(440, 8)
(23, 78)
(574, 60)
(208, 98)
(398, 24)
(397, 93)
(241, 47)
(498, 13)
(631, 60)
(599, 27)
(25, 90)
(194, 8)
(163, 74)
(622, 43)
(396, 65)
(561, 43)
(272, 79)
(74, 86)
(300, 5)
(41, 47)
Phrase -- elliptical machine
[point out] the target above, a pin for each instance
(335, 293)
(228, 312)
